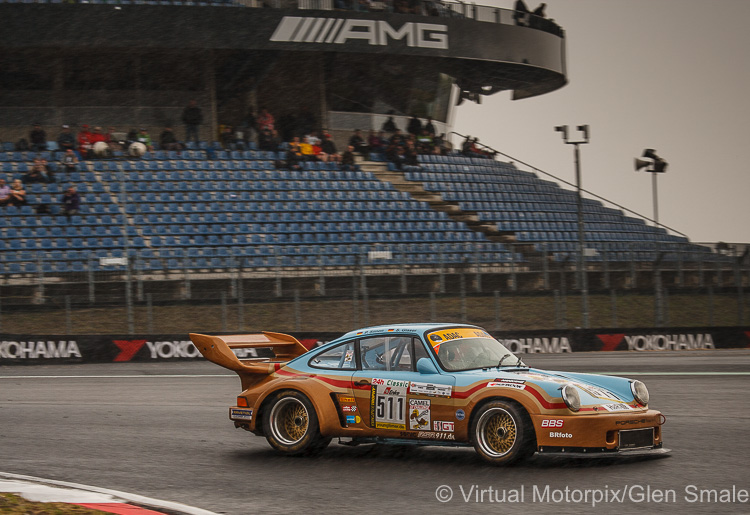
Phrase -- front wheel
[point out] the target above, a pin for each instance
(502, 433)
(291, 425)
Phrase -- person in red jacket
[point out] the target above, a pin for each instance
(85, 142)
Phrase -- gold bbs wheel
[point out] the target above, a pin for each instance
(291, 424)
(289, 420)
(502, 432)
(497, 432)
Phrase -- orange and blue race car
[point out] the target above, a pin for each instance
(429, 384)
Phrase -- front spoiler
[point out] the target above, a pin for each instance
(635, 453)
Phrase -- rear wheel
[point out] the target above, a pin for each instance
(502, 433)
(291, 425)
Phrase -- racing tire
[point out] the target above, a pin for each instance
(502, 433)
(291, 425)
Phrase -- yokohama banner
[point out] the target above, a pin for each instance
(48, 349)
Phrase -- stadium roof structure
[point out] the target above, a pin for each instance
(69, 62)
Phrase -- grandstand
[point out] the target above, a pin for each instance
(206, 213)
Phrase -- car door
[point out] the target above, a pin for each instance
(402, 402)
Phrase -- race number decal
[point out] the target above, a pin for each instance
(388, 404)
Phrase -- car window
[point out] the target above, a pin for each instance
(339, 357)
(388, 353)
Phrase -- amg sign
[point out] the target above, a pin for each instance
(337, 31)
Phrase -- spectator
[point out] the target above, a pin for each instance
(266, 120)
(144, 137)
(114, 144)
(69, 161)
(85, 142)
(294, 156)
(192, 117)
(328, 150)
(521, 13)
(358, 142)
(38, 138)
(17, 194)
(375, 142)
(226, 138)
(4, 193)
(389, 125)
(415, 126)
(267, 140)
(347, 158)
(66, 140)
(168, 141)
(429, 127)
(306, 149)
(71, 202)
(38, 173)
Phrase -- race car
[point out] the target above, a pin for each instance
(428, 384)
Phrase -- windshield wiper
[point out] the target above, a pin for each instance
(519, 364)
(502, 359)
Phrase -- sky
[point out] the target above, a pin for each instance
(671, 75)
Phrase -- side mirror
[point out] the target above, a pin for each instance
(426, 366)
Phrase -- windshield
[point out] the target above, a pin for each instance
(469, 348)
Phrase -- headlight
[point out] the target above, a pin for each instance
(571, 397)
(640, 392)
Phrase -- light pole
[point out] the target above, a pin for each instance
(655, 166)
(580, 266)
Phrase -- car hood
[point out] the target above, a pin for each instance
(593, 389)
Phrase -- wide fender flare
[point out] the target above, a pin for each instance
(319, 396)
(524, 399)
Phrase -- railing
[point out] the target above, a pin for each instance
(432, 8)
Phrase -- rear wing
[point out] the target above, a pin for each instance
(218, 349)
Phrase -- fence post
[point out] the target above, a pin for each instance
(68, 317)
(404, 285)
(513, 279)
(297, 312)
(40, 277)
(240, 302)
(355, 300)
(322, 276)
(433, 307)
(186, 284)
(740, 292)
(462, 291)
(224, 311)
(129, 296)
(710, 305)
(1, 312)
(442, 271)
(477, 263)
(558, 317)
(545, 266)
(658, 315)
(90, 273)
(633, 274)
(613, 304)
(498, 325)
(150, 313)
(605, 264)
(277, 269)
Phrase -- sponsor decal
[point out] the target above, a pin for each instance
(436, 436)
(357, 419)
(240, 413)
(346, 399)
(349, 356)
(39, 350)
(617, 406)
(351, 419)
(439, 337)
(419, 414)
(555, 434)
(339, 31)
(441, 425)
(538, 345)
(407, 434)
(434, 390)
(644, 342)
(350, 409)
(161, 350)
(389, 382)
(506, 384)
(460, 414)
(553, 422)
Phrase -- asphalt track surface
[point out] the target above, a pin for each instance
(162, 431)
